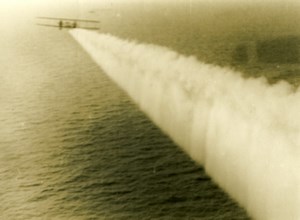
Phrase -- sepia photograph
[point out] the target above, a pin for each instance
(150, 110)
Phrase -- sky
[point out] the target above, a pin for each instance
(21, 11)
(20, 7)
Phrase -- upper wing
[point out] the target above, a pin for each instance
(69, 19)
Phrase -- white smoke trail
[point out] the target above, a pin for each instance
(245, 132)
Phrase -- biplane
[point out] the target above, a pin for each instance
(68, 23)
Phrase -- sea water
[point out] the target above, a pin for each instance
(74, 146)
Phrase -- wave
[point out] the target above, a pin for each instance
(245, 132)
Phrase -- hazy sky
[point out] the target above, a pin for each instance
(33, 6)
(17, 12)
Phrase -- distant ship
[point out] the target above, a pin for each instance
(276, 58)
(282, 50)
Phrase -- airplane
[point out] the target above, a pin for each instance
(68, 23)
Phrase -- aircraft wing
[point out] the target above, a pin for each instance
(69, 19)
(48, 25)
(67, 27)
(89, 28)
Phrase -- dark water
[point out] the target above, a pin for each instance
(73, 146)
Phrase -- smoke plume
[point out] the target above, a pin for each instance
(245, 132)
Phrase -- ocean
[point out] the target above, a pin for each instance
(74, 146)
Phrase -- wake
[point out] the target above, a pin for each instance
(245, 132)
